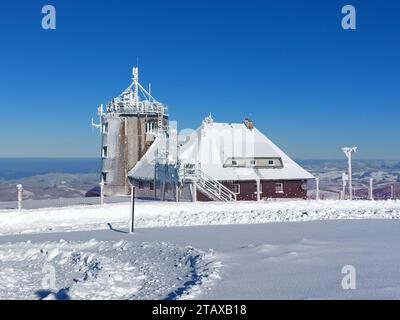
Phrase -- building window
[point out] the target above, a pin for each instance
(253, 162)
(271, 162)
(278, 187)
(236, 188)
(151, 186)
(104, 177)
(105, 152)
(105, 128)
(141, 185)
(234, 163)
(150, 127)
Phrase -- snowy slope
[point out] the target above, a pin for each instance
(104, 270)
(170, 214)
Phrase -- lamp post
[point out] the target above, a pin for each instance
(349, 153)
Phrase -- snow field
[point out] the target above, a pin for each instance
(171, 214)
(104, 270)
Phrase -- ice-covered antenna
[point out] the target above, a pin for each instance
(99, 113)
(349, 153)
(135, 78)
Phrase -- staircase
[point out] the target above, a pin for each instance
(214, 189)
(207, 185)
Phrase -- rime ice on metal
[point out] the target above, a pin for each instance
(128, 127)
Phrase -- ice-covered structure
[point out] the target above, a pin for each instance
(128, 127)
(222, 162)
(218, 161)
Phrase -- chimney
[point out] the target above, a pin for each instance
(248, 123)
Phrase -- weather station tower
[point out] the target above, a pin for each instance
(128, 127)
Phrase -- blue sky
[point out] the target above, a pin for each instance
(309, 85)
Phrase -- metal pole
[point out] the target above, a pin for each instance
(132, 222)
(155, 181)
(317, 188)
(101, 192)
(392, 192)
(350, 178)
(176, 192)
(194, 191)
(19, 196)
(371, 189)
(258, 189)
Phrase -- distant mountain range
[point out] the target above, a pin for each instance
(75, 177)
(386, 173)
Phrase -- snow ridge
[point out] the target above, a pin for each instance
(163, 214)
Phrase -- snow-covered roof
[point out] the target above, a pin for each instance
(145, 168)
(212, 144)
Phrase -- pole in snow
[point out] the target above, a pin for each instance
(19, 195)
(317, 197)
(371, 189)
(345, 178)
(392, 192)
(349, 153)
(101, 192)
(132, 220)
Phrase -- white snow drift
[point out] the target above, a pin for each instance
(171, 214)
(103, 270)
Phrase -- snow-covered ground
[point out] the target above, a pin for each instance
(103, 270)
(290, 249)
(172, 214)
(293, 260)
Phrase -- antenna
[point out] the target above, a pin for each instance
(349, 153)
(150, 92)
(100, 113)
(135, 78)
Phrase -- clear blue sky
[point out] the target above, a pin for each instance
(311, 86)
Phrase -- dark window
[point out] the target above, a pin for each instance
(271, 162)
(151, 186)
(105, 128)
(104, 177)
(140, 184)
(105, 152)
(278, 187)
(236, 188)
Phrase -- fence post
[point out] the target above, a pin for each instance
(101, 193)
(194, 191)
(132, 220)
(177, 198)
(317, 187)
(19, 195)
(371, 189)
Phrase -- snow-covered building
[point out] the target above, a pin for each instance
(218, 161)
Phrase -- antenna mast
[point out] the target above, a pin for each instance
(135, 73)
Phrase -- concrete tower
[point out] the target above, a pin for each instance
(128, 127)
